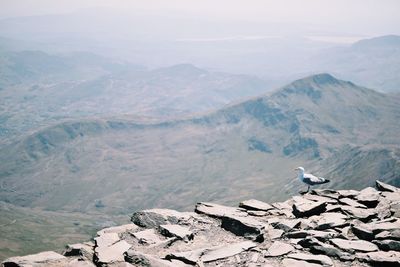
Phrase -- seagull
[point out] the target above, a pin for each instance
(310, 179)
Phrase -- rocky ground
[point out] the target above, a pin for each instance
(320, 228)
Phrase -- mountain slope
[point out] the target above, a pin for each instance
(126, 166)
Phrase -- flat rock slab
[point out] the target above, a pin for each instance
(307, 209)
(106, 239)
(141, 259)
(351, 202)
(153, 218)
(85, 250)
(254, 204)
(354, 245)
(175, 230)
(359, 213)
(298, 263)
(279, 248)
(381, 258)
(242, 226)
(118, 229)
(211, 254)
(318, 259)
(348, 193)
(47, 258)
(369, 197)
(80, 263)
(111, 254)
(148, 237)
(388, 244)
(331, 220)
(218, 211)
(385, 187)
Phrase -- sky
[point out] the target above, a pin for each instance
(362, 17)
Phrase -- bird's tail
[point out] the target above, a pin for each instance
(326, 181)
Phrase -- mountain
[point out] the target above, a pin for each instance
(320, 228)
(114, 165)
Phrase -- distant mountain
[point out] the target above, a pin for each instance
(40, 89)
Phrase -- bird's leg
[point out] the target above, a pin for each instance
(308, 189)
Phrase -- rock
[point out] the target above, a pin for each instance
(174, 230)
(286, 224)
(395, 235)
(118, 229)
(218, 211)
(279, 248)
(148, 237)
(83, 250)
(351, 202)
(155, 217)
(363, 231)
(111, 254)
(326, 193)
(307, 209)
(243, 226)
(106, 239)
(386, 187)
(354, 245)
(273, 233)
(381, 258)
(141, 259)
(329, 220)
(383, 209)
(298, 263)
(364, 215)
(321, 235)
(388, 244)
(317, 247)
(258, 213)
(254, 204)
(211, 254)
(47, 258)
(80, 263)
(318, 259)
(317, 198)
(348, 193)
(369, 197)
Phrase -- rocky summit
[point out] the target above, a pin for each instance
(320, 228)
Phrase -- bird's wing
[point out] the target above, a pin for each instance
(311, 179)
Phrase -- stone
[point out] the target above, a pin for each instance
(243, 226)
(318, 259)
(307, 209)
(381, 258)
(317, 198)
(258, 213)
(82, 250)
(148, 237)
(351, 202)
(386, 187)
(321, 235)
(331, 220)
(80, 263)
(354, 245)
(254, 204)
(318, 247)
(279, 248)
(395, 235)
(153, 218)
(348, 193)
(272, 233)
(363, 231)
(218, 211)
(298, 263)
(369, 197)
(46, 258)
(106, 239)
(174, 230)
(211, 254)
(383, 209)
(286, 224)
(141, 259)
(326, 193)
(111, 254)
(364, 215)
(118, 229)
(388, 244)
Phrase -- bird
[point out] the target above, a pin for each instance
(310, 179)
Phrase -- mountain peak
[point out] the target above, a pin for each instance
(321, 79)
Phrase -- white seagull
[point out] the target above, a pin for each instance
(310, 179)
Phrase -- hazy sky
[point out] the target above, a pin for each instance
(369, 17)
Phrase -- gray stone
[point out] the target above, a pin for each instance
(354, 245)
(318, 259)
(351, 202)
(155, 217)
(254, 204)
(118, 229)
(243, 226)
(82, 250)
(307, 209)
(369, 197)
(363, 231)
(141, 259)
(111, 254)
(79, 263)
(329, 220)
(326, 193)
(298, 263)
(257, 213)
(174, 230)
(364, 215)
(348, 193)
(386, 187)
(381, 258)
(148, 237)
(286, 224)
(106, 239)
(388, 244)
(218, 211)
(46, 258)
(279, 248)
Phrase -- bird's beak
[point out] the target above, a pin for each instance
(296, 169)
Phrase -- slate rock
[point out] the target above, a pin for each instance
(369, 197)
(153, 218)
(348, 193)
(354, 245)
(148, 237)
(329, 220)
(106, 239)
(364, 215)
(85, 250)
(318, 259)
(388, 244)
(254, 204)
(363, 231)
(279, 248)
(174, 230)
(307, 209)
(286, 225)
(298, 263)
(111, 254)
(351, 202)
(46, 258)
(381, 258)
(386, 187)
(141, 259)
(243, 226)
(118, 229)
